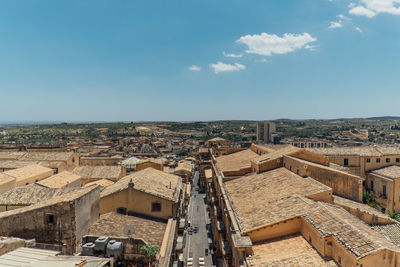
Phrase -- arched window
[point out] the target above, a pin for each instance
(155, 206)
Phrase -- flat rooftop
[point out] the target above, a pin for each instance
(291, 250)
(32, 257)
(112, 224)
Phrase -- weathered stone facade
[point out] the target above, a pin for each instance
(62, 220)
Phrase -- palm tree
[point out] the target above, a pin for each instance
(150, 251)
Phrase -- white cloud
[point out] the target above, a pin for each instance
(311, 47)
(222, 67)
(342, 17)
(371, 8)
(335, 24)
(232, 55)
(268, 44)
(362, 11)
(358, 29)
(263, 60)
(383, 6)
(194, 68)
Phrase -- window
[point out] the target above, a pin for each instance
(387, 160)
(372, 185)
(155, 207)
(384, 190)
(397, 160)
(121, 210)
(368, 160)
(49, 218)
(346, 162)
(378, 160)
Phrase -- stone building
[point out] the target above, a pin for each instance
(150, 163)
(385, 184)
(184, 170)
(148, 192)
(361, 159)
(58, 161)
(61, 221)
(293, 207)
(29, 195)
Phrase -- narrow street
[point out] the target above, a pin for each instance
(197, 243)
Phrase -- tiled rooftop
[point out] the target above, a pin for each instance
(292, 250)
(61, 156)
(11, 155)
(185, 166)
(103, 183)
(112, 224)
(31, 194)
(390, 231)
(151, 181)
(98, 172)
(347, 151)
(287, 150)
(391, 172)
(265, 198)
(71, 196)
(14, 164)
(352, 233)
(236, 161)
(372, 151)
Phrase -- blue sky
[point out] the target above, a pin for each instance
(198, 60)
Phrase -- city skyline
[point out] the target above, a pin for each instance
(128, 61)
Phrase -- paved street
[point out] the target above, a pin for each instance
(197, 242)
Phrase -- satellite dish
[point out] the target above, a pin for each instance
(128, 229)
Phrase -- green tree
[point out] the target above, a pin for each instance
(394, 215)
(369, 198)
(150, 251)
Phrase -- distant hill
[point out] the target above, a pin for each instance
(386, 118)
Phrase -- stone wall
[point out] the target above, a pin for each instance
(55, 221)
(343, 184)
